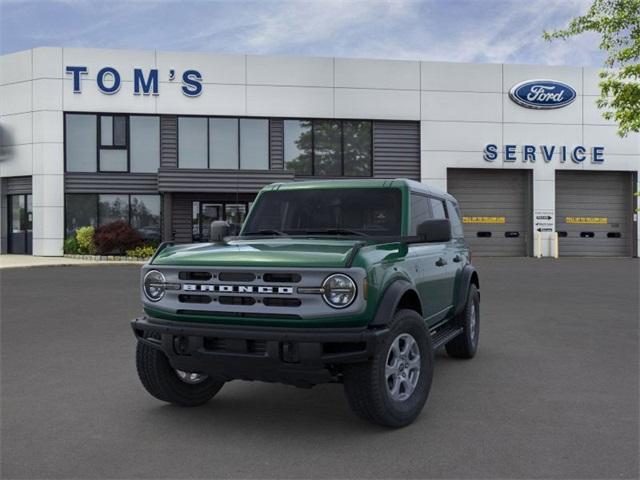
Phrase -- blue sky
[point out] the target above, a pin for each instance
(445, 30)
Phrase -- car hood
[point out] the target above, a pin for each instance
(271, 252)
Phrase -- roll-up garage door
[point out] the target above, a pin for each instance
(495, 209)
(593, 213)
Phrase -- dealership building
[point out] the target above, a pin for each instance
(169, 141)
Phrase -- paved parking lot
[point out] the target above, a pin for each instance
(553, 392)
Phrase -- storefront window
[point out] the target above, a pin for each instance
(113, 143)
(192, 142)
(145, 144)
(80, 211)
(328, 147)
(254, 144)
(80, 142)
(112, 208)
(235, 213)
(223, 142)
(113, 160)
(142, 212)
(297, 146)
(113, 131)
(195, 221)
(357, 149)
(203, 213)
(145, 216)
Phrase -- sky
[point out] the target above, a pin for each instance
(486, 31)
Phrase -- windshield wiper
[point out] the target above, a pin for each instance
(268, 231)
(337, 231)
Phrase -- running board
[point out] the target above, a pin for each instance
(444, 335)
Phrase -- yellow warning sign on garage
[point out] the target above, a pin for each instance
(491, 220)
(587, 220)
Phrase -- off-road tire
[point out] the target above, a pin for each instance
(465, 345)
(365, 383)
(162, 381)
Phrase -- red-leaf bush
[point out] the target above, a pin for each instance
(116, 237)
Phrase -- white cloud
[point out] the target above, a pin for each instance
(453, 30)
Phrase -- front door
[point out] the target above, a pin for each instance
(20, 222)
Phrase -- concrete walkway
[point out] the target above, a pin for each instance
(24, 261)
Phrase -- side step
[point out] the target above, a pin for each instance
(444, 335)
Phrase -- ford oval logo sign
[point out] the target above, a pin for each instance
(542, 94)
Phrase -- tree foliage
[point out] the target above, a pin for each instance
(618, 23)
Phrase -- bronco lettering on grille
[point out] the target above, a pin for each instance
(259, 289)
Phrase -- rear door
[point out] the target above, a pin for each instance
(458, 246)
(450, 261)
(427, 263)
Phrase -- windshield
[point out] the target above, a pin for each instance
(339, 211)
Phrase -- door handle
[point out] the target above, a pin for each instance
(441, 262)
(457, 259)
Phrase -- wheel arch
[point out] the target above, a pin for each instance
(400, 294)
(469, 277)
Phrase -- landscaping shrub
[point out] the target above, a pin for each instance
(145, 251)
(71, 245)
(116, 238)
(85, 240)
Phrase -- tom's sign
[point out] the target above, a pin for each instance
(108, 80)
(542, 94)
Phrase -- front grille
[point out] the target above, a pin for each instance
(282, 277)
(282, 302)
(194, 298)
(197, 276)
(236, 277)
(229, 300)
(243, 292)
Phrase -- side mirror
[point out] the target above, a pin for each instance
(218, 230)
(434, 231)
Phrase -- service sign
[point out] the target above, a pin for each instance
(544, 220)
(542, 94)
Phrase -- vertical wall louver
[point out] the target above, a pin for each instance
(396, 150)
(168, 141)
(276, 146)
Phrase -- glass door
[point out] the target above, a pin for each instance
(20, 224)
(209, 212)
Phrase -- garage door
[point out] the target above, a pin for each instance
(495, 209)
(593, 213)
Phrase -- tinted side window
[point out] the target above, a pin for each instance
(456, 222)
(420, 211)
(437, 206)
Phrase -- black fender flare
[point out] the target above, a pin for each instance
(390, 300)
(467, 277)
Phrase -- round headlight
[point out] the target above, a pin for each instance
(339, 290)
(154, 285)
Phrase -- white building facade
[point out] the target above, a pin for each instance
(169, 141)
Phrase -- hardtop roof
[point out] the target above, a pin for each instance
(360, 183)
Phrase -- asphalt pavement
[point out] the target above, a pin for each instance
(552, 393)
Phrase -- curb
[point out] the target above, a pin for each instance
(107, 258)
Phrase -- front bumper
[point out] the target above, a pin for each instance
(298, 356)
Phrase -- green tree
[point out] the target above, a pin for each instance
(618, 23)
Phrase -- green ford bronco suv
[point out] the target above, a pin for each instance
(346, 281)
